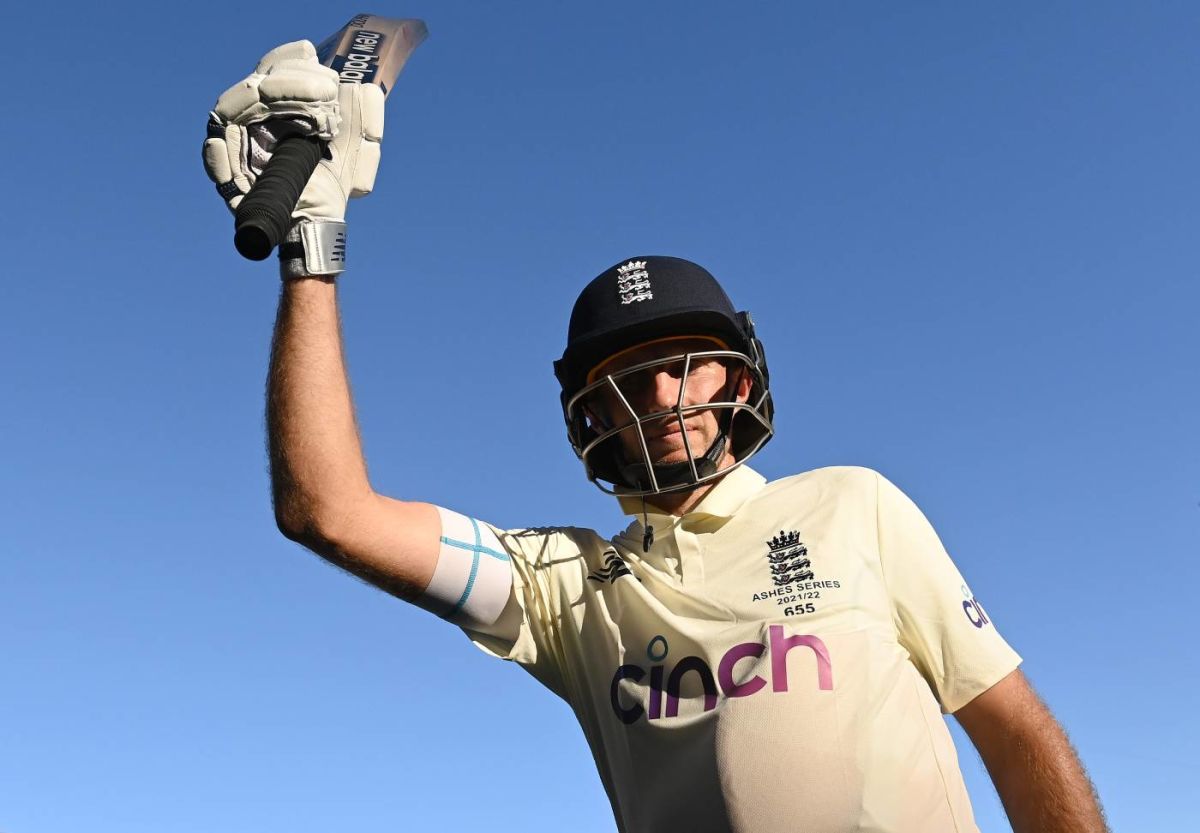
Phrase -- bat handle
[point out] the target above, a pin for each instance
(265, 213)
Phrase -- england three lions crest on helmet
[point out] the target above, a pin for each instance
(633, 282)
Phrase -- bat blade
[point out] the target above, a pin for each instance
(371, 49)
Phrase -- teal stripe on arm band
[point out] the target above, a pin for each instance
(475, 551)
(467, 589)
(462, 600)
(462, 545)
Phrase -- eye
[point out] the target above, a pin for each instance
(704, 365)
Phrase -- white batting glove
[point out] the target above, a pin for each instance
(290, 94)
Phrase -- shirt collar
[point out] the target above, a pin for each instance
(722, 501)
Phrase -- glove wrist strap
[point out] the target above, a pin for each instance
(313, 247)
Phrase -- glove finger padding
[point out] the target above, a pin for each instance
(372, 136)
(217, 150)
(227, 163)
(288, 82)
(293, 50)
(365, 170)
(234, 155)
(289, 93)
(295, 87)
(354, 155)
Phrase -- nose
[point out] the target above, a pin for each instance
(661, 391)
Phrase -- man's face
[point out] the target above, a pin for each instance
(658, 389)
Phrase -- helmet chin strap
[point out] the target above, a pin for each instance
(677, 474)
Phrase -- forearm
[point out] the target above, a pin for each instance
(317, 467)
(1041, 781)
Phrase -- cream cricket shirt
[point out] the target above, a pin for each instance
(776, 661)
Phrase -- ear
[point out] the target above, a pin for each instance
(742, 385)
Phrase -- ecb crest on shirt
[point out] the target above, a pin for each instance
(794, 590)
(788, 558)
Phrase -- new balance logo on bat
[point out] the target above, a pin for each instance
(613, 569)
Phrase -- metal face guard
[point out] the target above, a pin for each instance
(602, 418)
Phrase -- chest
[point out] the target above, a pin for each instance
(815, 567)
(787, 566)
(765, 603)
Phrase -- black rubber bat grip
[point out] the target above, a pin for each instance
(265, 213)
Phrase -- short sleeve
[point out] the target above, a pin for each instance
(526, 632)
(948, 634)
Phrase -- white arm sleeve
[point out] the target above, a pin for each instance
(472, 582)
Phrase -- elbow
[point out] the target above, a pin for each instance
(301, 520)
(297, 524)
(320, 526)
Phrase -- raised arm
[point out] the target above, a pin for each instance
(319, 479)
(322, 495)
(447, 563)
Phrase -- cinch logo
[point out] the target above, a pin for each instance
(973, 609)
(630, 712)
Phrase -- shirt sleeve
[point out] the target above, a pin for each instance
(946, 631)
(526, 631)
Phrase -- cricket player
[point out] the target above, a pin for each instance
(747, 655)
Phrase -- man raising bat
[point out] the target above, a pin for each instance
(747, 655)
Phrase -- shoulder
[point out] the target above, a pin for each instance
(830, 480)
(546, 545)
(842, 480)
(831, 491)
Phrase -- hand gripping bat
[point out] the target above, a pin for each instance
(367, 50)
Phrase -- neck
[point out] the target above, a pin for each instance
(682, 502)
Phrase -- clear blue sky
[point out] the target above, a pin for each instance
(968, 237)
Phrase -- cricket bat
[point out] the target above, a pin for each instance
(367, 50)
